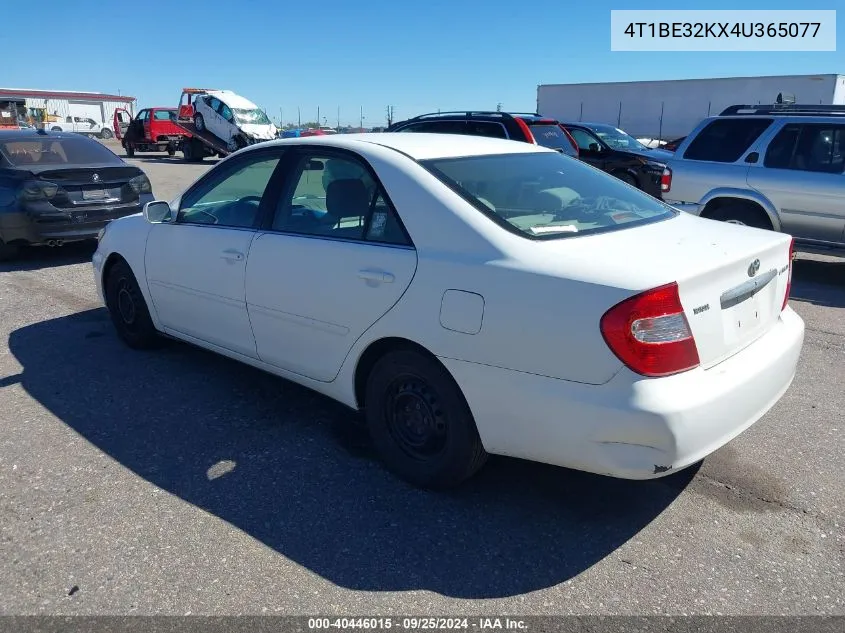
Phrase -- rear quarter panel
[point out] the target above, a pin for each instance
(532, 321)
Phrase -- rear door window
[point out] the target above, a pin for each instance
(552, 136)
(437, 127)
(725, 140)
(808, 147)
(486, 128)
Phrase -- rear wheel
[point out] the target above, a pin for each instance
(128, 310)
(8, 251)
(130, 150)
(419, 421)
(55, 128)
(171, 150)
(627, 178)
(106, 133)
(199, 122)
(739, 213)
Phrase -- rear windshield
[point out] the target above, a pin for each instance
(56, 151)
(164, 115)
(546, 195)
(552, 136)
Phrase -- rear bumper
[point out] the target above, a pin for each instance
(631, 427)
(78, 224)
(688, 207)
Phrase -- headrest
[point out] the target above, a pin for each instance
(347, 197)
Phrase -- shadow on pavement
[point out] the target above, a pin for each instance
(287, 467)
(821, 282)
(40, 257)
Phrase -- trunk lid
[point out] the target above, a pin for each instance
(731, 279)
(85, 186)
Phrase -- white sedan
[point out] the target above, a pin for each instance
(471, 296)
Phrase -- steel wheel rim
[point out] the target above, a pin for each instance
(126, 304)
(415, 418)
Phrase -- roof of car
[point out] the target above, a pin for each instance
(233, 100)
(591, 124)
(30, 133)
(419, 146)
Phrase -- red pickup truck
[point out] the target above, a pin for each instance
(152, 130)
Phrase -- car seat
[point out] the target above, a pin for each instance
(346, 198)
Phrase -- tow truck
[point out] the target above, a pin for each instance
(196, 144)
(153, 130)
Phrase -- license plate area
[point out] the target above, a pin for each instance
(745, 314)
(94, 193)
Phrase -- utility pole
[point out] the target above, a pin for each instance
(281, 117)
(318, 116)
(389, 115)
(338, 117)
(298, 117)
(361, 123)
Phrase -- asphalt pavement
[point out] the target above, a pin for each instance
(178, 482)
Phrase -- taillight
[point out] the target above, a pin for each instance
(526, 130)
(141, 184)
(666, 179)
(649, 332)
(39, 190)
(789, 275)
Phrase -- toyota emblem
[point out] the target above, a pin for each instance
(96, 177)
(753, 267)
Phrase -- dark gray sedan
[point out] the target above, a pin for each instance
(59, 187)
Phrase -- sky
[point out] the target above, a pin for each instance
(338, 54)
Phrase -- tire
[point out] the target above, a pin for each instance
(128, 310)
(171, 151)
(625, 177)
(106, 133)
(55, 128)
(420, 422)
(744, 214)
(199, 122)
(130, 150)
(8, 252)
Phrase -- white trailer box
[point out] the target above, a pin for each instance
(670, 109)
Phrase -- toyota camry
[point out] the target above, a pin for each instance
(470, 296)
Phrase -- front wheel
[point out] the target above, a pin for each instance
(419, 421)
(128, 309)
(199, 122)
(106, 134)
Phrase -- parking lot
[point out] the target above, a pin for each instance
(178, 482)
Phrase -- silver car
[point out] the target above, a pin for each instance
(772, 167)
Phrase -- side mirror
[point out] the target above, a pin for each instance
(158, 212)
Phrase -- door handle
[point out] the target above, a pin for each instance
(232, 255)
(378, 276)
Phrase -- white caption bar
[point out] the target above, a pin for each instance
(722, 30)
